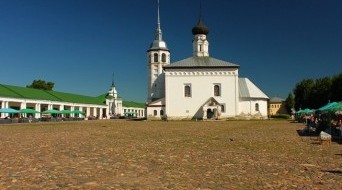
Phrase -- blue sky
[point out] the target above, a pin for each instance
(78, 44)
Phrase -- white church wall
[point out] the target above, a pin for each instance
(202, 88)
(247, 107)
(156, 109)
(156, 112)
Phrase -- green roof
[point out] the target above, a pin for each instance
(31, 93)
(133, 104)
(36, 94)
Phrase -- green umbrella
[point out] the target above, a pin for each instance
(305, 111)
(8, 110)
(328, 106)
(27, 110)
(336, 107)
(51, 112)
(78, 112)
(65, 111)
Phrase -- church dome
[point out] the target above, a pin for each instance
(200, 28)
(158, 44)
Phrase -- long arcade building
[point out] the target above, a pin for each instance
(103, 106)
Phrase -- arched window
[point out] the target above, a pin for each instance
(256, 107)
(217, 90)
(187, 91)
(163, 57)
(155, 112)
(222, 109)
(161, 112)
(155, 57)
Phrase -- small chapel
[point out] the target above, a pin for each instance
(200, 86)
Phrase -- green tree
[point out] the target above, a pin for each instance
(302, 93)
(336, 88)
(41, 84)
(314, 94)
(289, 103)
(321, 93)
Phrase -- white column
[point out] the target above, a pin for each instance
(2, 106)
(37, 108)
(60, 108)
(23, 106)
(50, 106)
(88, 111)
(6, 106)
(72, 108)
(95, 111)
(101, 113)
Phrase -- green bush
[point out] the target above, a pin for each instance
(280, 116)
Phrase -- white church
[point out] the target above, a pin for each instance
(200, 86)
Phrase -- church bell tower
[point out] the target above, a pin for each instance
(200, 43)
(158, 56)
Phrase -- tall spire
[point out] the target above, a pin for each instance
(200, 14)
(158, 42)
(113, 80)
(158, 31)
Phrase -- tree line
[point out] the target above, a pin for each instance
(315, 93)
(41, 84)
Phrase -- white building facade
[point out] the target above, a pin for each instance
(102, 107)
(202, 87)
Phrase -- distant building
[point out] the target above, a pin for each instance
(276, 106)
(200, 86)
(102, 107)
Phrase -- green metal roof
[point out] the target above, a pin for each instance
(31, 93)
(133, 104)
(36, 94)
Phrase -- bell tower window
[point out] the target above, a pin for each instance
(163, 57)
(155, 57)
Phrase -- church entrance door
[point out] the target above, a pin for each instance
(211, 113)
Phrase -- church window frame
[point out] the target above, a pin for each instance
(223, 108)
(161, 112)
(155, 112)
(187, 90)
(217, 89)
(164, 57)
(257, 107)
(155, 57)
